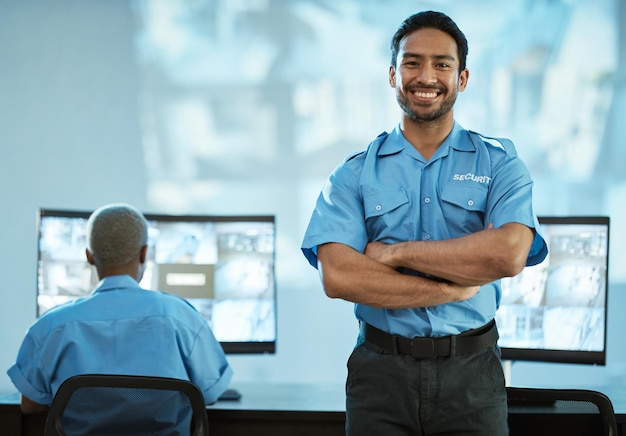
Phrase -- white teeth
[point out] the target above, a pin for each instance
(426, 94)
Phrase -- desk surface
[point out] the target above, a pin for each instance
(304, 409)
(323, 397)
(269, 408)
(287, 397)
(268, 396)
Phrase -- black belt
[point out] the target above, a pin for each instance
(471, 341)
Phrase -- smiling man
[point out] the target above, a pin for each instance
(417, 230)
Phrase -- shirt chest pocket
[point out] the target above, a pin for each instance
(465, 206)
(386, 213)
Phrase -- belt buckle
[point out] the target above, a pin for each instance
(423, 348)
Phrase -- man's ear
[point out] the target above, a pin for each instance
(143, 254)
(89, 257)
(463, 78)
(392, 76)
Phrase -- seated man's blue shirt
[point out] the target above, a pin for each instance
(120, 329)
(390, 193)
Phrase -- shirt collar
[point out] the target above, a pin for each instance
(116, 282)
(396, 141)
(459, 139)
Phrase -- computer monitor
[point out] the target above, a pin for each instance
(222, 265)
(557, 311)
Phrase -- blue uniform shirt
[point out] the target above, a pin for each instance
(120, 329)
(390, 193)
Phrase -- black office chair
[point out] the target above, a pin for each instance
(124, 405)
(540, 399)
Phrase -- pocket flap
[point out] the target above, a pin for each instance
(468, 197)
(381, 202)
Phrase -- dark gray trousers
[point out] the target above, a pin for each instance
(389, 394)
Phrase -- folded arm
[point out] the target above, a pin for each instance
(473, 259)
(352, 276)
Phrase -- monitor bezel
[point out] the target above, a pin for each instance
(230, 347)
(568, 356)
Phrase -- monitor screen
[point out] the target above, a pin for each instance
(557, 311)
(222, 265)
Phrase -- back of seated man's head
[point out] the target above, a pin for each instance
(116, 234)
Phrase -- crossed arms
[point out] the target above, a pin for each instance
(371, 278)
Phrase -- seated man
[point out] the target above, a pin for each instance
(120, 328)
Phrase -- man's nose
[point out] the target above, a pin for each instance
(427, 75)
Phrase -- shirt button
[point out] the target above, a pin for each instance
(378, 207)
(426, 237)
(470, 203)
(427, 200)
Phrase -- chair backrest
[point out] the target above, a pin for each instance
(541, 396)
(126, 404)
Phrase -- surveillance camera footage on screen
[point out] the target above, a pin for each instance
(556, 311)
(222, 265)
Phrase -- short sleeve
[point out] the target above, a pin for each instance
(207, 365)
(338, 215)
(27, 373)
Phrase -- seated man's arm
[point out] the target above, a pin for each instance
(352, 276)
(473, 259)
(29, 406)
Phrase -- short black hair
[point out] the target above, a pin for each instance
(435, 20)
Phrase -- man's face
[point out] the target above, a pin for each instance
(426, 77)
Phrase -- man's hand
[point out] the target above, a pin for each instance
(376, 251)
(460, 293)
(28, 406)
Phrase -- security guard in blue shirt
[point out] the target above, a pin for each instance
(120, 328)
(417, 230)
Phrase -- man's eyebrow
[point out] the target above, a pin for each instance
(440, 57)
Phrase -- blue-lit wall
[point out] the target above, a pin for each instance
(245, 107)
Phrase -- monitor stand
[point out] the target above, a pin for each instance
(519, 402)
(506, 367)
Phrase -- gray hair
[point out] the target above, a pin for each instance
(115, 234)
